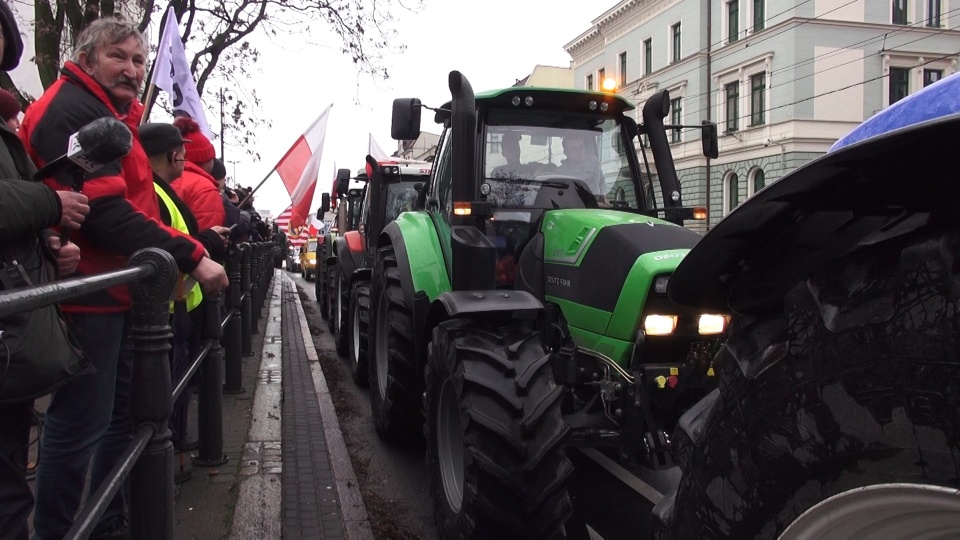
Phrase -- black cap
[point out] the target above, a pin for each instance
(158, 138)
(13, 43)
(219, 170)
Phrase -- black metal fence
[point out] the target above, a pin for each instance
(230, 319)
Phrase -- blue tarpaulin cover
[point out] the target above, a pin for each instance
(939, 99)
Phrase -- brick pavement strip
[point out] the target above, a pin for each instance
(254, 495)
(321, 497)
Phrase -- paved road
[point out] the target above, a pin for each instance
(609, 502)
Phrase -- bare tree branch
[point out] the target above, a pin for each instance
(219, 35)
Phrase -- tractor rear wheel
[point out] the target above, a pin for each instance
(856, 383)
(359, 317)
(331, 286)
(495, 435)
(396, 381)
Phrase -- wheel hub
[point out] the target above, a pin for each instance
(880, 512)
(450, 445)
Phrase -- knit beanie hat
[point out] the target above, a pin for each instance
(13, 43)
(199, 149)
(9, 106)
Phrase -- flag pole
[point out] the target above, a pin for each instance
(149, 94)
(150, 97)
(267, 177)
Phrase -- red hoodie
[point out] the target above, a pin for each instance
(124, 215)
(199, 191)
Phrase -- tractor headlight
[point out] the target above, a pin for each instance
(712, 324)
(659, 325)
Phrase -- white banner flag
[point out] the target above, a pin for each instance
(375, 151)
(171, 73)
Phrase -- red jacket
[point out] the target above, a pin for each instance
(124, 214)
(199, 191)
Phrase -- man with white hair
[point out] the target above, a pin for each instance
(87, 418)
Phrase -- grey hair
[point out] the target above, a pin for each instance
(105, 31)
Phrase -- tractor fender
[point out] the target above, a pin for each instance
(419, 256)
(348, 260)
(466, 303)
(360, 275)
(423, 270)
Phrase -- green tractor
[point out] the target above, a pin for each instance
(391, 188)
(348, 196)
(524, 308)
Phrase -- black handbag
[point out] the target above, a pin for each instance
(38, 354)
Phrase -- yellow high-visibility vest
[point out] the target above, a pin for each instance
(194, 296)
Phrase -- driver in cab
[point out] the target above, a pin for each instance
(578, 164)
(510, 150)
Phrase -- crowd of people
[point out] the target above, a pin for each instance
(168, 192)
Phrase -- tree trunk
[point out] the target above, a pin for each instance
(48, 29)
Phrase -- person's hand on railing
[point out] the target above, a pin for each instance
(74, 207)
(210, 275)
(224, 233)
(68, 255)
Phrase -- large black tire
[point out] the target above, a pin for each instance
(359, 317)
(333, 275)
(495, 434)
(320, 289)
(341, 303)
(396, 380)
(331, 286)
(856, 383)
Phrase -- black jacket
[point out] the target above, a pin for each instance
(27, 208)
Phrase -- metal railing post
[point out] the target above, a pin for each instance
(151, 480)
(246, 324)
(210, 399)
(233, 364)
(255, 286)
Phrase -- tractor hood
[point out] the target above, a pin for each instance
(878, 189)
(601, 264)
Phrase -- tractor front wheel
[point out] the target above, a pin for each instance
(495, 435)
(341, 324)
(396, 381)
(359, 317)
(320, 290)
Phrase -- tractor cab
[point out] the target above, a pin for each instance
(394, 188)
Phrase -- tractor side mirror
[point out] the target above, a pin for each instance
(324, 205)
(406, 119)
(708, 138)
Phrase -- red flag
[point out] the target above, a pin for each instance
(300, 166)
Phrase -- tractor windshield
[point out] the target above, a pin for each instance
(401, 197)
(549, 161)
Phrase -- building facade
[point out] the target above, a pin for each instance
(783, 79)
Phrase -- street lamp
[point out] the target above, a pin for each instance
(234, 163)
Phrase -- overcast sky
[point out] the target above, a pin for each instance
(493, 42)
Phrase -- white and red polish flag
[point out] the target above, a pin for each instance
(300, 167)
